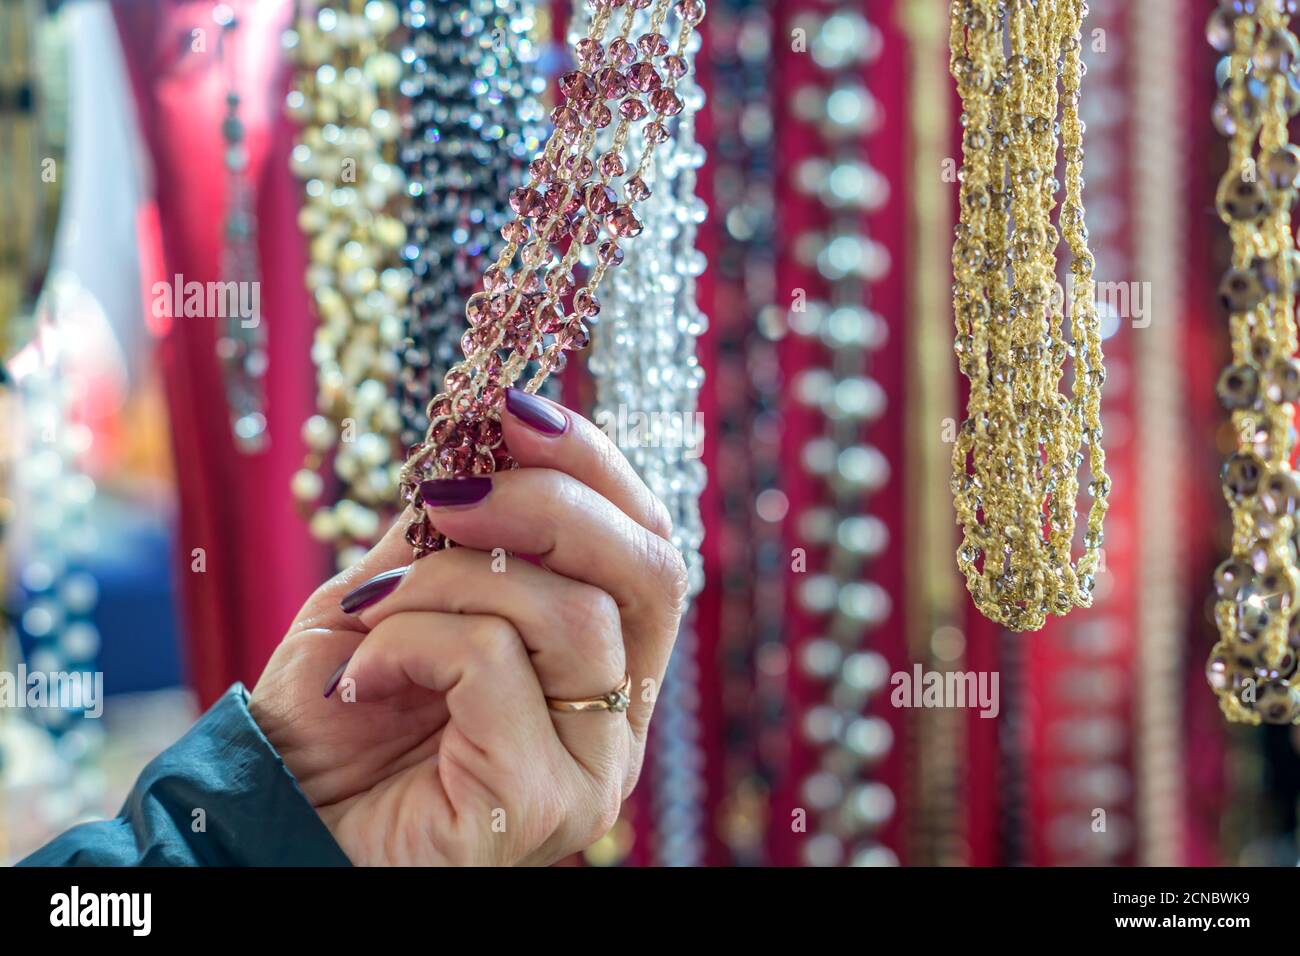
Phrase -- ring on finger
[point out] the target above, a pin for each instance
(616, 701)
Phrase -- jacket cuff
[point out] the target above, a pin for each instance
(220, 796)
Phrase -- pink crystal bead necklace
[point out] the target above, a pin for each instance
(531, 307)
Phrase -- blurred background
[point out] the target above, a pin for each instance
(176, 479)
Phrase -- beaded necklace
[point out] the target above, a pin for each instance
(346, 97)
(473, 124)
(569, 203)
(1252, 666)
(1017, 454)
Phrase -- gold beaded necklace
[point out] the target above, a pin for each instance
(1017, 454)
(1252, 668)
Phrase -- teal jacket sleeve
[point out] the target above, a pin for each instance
(220, 796)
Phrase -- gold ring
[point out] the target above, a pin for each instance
(615, 701)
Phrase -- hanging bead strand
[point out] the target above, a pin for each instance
(1252, 667)
(521, 315)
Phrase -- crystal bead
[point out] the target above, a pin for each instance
(643, 77)
(1281, 167)
(636, 189)
(611, 165)
(611, 83)
(1219, 30)
(652, 45)
(655, 132)
(1278, 496)
(526, 202)
(601, 198)
(666, 102)
(575, 336)
(590, 53)
(690, 11)
(1217, 672)
(578, 86)
(585, 229)
(1278, 52)
(550, 319)
(623, 223)
(476, 308)
(1241, 475)
(610, 253)
(1232, 580)
(1238, 387)
(632, 109)
(1283, 381)
(621, 52)
(1241, 290)
(585, 304)
(560, 283)
(1277, 702)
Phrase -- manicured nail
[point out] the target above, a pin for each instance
(453, 492)
(535, 412)
(333, 683)
(364, 595)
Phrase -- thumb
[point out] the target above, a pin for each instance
(324, 609)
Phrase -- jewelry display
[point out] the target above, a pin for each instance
(242, 345)
(935, 821)
(647, 380)
(1080, 679)
(747, 389)
(473, 125)
(519, 308)
(346, 98)
(647, 377)
(55, 498)
(1253, 665)
(1159, 253)
(849, 808)
(1017, 454)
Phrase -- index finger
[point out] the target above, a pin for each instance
(542, 434)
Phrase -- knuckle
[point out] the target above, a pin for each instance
(668, 568)
(554, 490)
(611, 459)
(495, 640)
(635, 762)
(608, 806)
(660, 521)
(590, 617)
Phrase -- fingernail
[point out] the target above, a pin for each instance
(536, 413)
(364, 595)
(450, 492)
(333, 683)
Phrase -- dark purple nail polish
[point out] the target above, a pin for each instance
(535, 412)
(332, 684)
(364, 595)
(450, 492)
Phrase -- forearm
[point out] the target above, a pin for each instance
(220, 796)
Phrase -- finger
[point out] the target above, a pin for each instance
(332, 605)
(571, 529)
(571, 631)
(500, 748)
(576, 533)
(540, 433)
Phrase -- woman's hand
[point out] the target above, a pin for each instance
(417, 720)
